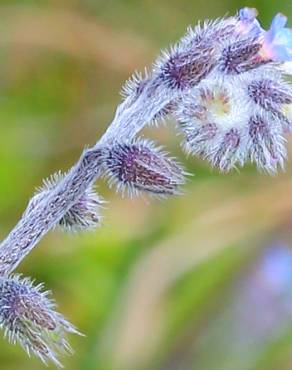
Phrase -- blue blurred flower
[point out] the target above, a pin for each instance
(278, 40)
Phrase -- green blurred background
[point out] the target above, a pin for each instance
(202, 281)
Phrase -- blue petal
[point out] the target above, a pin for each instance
(278, 40)
(283, 45)
(277, 44)
(247, 16)
(278, 22)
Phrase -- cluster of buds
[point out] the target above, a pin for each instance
(225, 84)
(242, 109)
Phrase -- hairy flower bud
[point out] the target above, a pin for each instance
(241, 56)
(83, 215)
(266, 144)
(182, 72)
(28, 317)
(188, 62)
(274, 95)
(139, 166)
(270, 94)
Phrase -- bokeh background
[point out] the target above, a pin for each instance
(201, 281)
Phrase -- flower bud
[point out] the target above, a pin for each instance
(139, 166)
(274, 96)
(28, 318)
(188, 62)
(241, 56)
(83, 215)
(266, 144)
(182, 71)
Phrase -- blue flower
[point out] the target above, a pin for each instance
(277, 41)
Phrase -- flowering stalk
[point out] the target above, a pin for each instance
(224, 83)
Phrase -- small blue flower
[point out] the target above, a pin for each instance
(278, 40)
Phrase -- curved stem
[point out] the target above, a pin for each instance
(43, 213)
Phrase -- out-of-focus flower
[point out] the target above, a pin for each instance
(29, 318)
(267, 286)
(257, 314)
(140, 166)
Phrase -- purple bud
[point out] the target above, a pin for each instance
(139, 166)
(241, 56)
(84, 214)
(266, 144)
(28, 317)
(228, 151)
(274, 96)
(210, 33)
(198, 138)
(185, 70)
(269, 93)
(194, 57)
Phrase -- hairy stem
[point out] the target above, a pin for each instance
(38, 219)
(132, 116)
